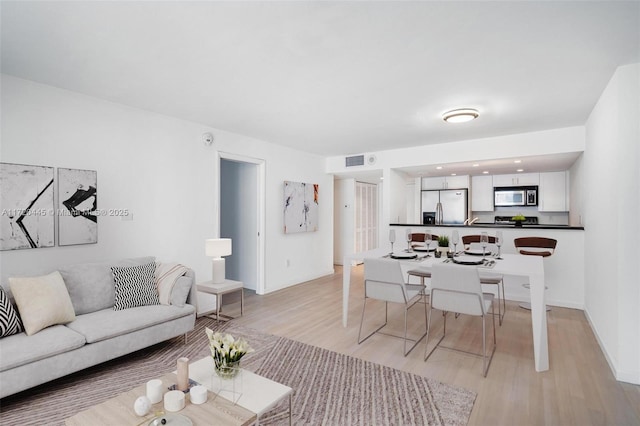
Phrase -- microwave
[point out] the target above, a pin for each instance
(515, 196)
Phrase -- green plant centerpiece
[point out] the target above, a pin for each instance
(518, 219)
(226, 352)
(443, 241)
(443, 245)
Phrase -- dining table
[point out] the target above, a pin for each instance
(529, 268)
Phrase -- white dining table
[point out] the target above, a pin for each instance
(529, 267)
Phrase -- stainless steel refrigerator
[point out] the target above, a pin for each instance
(447, 207)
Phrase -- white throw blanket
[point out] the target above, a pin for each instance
(166, 276)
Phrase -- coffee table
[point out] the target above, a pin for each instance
(119, 410)
(255, 393)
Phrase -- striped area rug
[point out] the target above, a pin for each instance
(330, 388)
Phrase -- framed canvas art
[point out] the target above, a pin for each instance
(300, 207)
(77, 207)
(27, 213)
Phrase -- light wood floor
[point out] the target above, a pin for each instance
(579, 388)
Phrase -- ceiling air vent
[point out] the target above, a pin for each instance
(356, 160)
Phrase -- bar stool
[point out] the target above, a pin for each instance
(535, 246)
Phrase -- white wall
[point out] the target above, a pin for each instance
(556, 141)
(158, 167)
(344, 219)
(576, 192)
(611, 212)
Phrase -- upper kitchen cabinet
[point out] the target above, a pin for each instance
(521, 179)
(482, 193)
(445, 182)
(553, 193)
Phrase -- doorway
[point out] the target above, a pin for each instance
(242, 218)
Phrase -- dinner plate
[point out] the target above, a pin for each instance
(476, 252)
(403, 255)
(424, 248)
(467, 260)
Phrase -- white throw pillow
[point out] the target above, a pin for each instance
(42, 301)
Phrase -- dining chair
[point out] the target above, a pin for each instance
(383, 280)
(535, 246)
(475, 238)
(420, 237)
(457, 289)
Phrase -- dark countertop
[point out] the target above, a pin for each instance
(492, 226)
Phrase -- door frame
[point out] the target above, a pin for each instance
(261, 203)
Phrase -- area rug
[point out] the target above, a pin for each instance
(329, 388)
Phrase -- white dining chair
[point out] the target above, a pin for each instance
(383, 280)
(457, 289)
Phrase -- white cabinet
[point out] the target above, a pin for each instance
(445, 182)
(521, 179)
(482, 193)
(553, 194)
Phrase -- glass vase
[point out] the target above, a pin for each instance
(227, 370)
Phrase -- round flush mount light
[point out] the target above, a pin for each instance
(461, 115)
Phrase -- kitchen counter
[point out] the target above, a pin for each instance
(491, 226)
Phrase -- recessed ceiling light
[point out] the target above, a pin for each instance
(520, 170)
(486, 172)
(439, 168)
(453, 174)
(461, 115)
(517, 161)
(475, 165)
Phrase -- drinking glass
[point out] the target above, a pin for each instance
(427, 240)
(409, 238)
(454, 239)
(484, 241)
(392, 238)
(499, 242)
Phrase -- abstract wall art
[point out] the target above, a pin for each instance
(77, 209)
(26, 207)
(300, 207)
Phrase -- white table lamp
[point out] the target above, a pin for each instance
(216, 248)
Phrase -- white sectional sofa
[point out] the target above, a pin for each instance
(99, 333)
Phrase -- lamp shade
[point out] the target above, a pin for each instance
(218, 247)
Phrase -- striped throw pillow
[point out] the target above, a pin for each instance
(9, 320)
(135, 286)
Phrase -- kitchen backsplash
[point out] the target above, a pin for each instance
(544, 218)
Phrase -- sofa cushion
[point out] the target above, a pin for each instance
(42, 301)
(9, 320)
(91, 285)
(107, 323)
(135, 286)
(21, 349)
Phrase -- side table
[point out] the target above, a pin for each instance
(226, 287)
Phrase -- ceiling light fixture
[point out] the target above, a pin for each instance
(486, 172)
(520, 170)
(460, 115)
(439, 168)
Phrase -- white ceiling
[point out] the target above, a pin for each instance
(332, 78)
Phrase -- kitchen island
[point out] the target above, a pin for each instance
(564, 270)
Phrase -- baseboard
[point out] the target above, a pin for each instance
(301, 280)
(622, 376)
